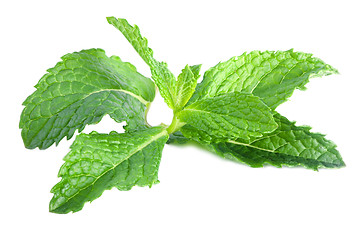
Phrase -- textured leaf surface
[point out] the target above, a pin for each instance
(185, 87)
(98, 162)
(177, 138)
(229, 116)
(289, 145)
(196, 71)
(197, 135)
(162, 76)
(80, 90)
(272, 76)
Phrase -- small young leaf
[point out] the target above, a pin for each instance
(272, 76)
(162, 76)
(196, 71)
(185, 87)
(230, 116)
(80, 90)
(98, 162)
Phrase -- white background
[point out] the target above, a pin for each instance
(201, 196)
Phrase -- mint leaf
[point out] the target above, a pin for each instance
(185, 86)
(288, 145)
(229, 116)
(80, 90)
(272, 76)
(98, 162)
(177, 138)
(198, 135)
(162, 76)
(196, 71)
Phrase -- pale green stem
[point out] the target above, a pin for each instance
(175, 125)
(146, 113)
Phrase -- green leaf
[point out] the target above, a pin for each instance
(98, 162)
(162, 76)
(198, 135)
(185, 87)
(272, 76)
(177, 138)
(230, 116)
(289, 145)
(80, 90)
(196, 71)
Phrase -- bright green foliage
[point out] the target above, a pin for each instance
(98, 162)
(196, 71)
(185, 87)
(231, 112)
(190, 132)
(80, 90)
(273, 76)
(229, 116)
(288, 145)
(177, 138)
(162, 76)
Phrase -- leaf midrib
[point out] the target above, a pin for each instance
(252, 146)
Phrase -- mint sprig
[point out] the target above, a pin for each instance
(231, 112)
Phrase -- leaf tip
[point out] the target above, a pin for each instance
(110, 19)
